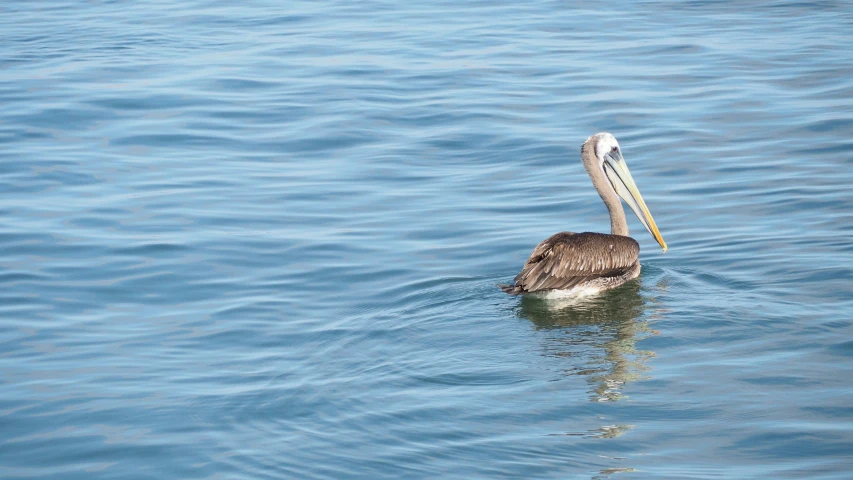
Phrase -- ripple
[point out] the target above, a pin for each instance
(262, 241)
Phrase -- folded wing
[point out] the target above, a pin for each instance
(566, 260)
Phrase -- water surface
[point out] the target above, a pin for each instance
(262, 241)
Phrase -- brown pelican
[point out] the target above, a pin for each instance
(569, 264)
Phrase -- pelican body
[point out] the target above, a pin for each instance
(568, 264)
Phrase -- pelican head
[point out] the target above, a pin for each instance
(605, 160)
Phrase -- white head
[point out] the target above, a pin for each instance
(609, 161)
(604, 143)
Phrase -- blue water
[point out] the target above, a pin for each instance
(261, 240)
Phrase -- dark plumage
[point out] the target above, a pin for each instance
(566, 260)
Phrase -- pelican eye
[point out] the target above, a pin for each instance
(614, 149)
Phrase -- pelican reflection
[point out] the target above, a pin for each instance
(597, 335)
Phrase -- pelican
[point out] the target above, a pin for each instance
(578, 264)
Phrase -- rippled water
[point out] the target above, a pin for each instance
(262, 241)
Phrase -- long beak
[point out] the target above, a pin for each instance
(617, 172)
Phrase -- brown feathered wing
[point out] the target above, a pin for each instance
(567, 259)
